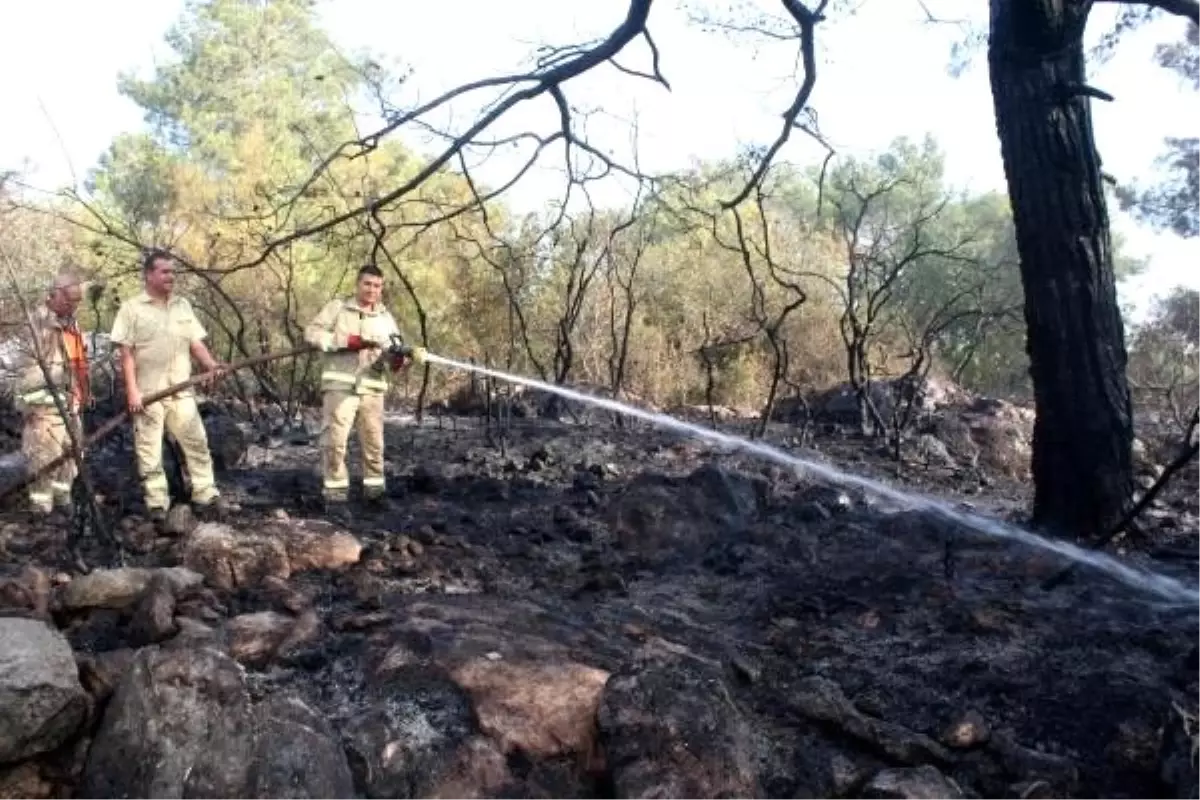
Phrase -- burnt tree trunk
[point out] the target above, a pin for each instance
(1082, 439)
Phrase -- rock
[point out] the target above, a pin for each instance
(28, 594)
(284, 595)
(42, 702)
(121, 588)
(660, 518)
(100, 673)
(478, 769)
(298, 754)
(181, 725)
(967, 730)
(255, 639)
(911, 782)
(669, 728)
(154, 618)
(733, 493)
(540, 709)
(25, 781)
(316, 544)
(933, 451)
(230, 560)
(417, 739)
(177, 726)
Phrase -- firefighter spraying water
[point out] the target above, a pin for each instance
(369, 362)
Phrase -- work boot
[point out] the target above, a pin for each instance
(216, 509)
(336, 506)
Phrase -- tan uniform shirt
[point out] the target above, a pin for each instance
(160, 337)
(332, 328)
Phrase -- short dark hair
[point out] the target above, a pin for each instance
(152, 255)
(370, 269)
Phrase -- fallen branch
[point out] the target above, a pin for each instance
(21, 468)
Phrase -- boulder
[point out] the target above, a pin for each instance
(229, 559)
(119, 589)
(42, 702)
(181, 724)
(298, 754)
(419, 737)
(669, 728)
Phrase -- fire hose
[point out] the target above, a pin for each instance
(17, 473)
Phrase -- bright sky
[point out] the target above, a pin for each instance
(882, 73)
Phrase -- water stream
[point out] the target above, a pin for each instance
(1166, 588)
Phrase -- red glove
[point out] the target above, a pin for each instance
(399, 362)
(355, 342)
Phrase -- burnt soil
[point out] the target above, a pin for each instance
(614, 545)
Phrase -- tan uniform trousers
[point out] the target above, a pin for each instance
(340, 409)
(44, 438)
(181, 418)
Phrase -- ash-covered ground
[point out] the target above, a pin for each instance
(593, 611)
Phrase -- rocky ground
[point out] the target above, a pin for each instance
(593, 612)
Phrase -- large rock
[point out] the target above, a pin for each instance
(543, 710)
(670, 729)
(992, 434)
(121, 588)
(181, 725)
(177, 726)
(516, 663)
(315, 544)
(232, 559)
(298, 754)
(662, 518)
(42, 703)
(420, 738)
(229, 559)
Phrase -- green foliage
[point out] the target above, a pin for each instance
(652, 301)
(1172, 203)
(1164, 356)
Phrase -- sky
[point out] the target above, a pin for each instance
(882, 73)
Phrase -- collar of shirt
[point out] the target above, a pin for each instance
(352, 305)
(144, 297)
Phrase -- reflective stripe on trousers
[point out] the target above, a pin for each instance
(343, 410)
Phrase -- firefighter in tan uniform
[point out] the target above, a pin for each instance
(56, 339)
(159, 334)
(352, 332)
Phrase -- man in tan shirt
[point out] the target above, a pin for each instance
(352, 333)
(56, 340)
(159, 334)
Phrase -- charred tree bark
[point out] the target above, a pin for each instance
(1082, 460)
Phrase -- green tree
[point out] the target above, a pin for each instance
(1174, 203)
